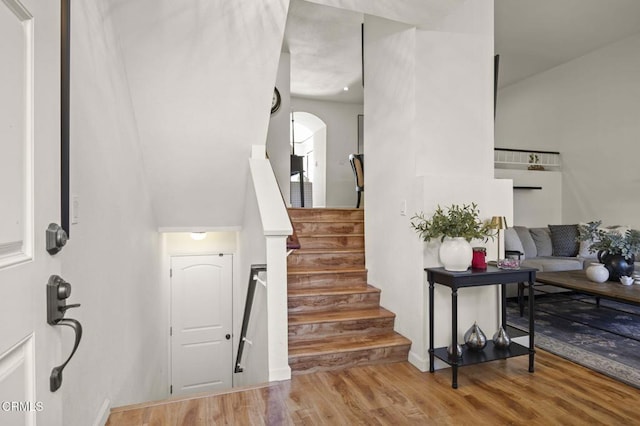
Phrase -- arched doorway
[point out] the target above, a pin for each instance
(308, 139)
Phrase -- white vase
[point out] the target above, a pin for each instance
(455, 254)
(596, 272)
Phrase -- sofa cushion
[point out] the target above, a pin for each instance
(542, 239)
(564, 240)
(512, 241)
(553, 263)
(527, 241)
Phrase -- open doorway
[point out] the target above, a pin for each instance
(308, 139)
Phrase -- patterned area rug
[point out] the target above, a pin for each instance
(605, 339)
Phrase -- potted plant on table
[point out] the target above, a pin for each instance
(615, 249)
(455, 227)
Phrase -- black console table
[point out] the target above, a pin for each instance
(473, 278)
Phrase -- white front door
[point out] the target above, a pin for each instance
(201, 322)
(29, 201)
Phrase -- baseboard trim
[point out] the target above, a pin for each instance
(421, 363)
(103, 414)
(278, 374)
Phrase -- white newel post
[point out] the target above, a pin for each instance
(277, 308)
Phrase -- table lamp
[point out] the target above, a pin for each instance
(498, 222)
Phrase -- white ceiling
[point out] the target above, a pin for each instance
(531, 36)
(325, 48)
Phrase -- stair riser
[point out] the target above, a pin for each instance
(311, 228)
(332, 303)
(328, 330)
(333, 280)
(299, 260)
(342, 242)
(310, 364)
(311, 215)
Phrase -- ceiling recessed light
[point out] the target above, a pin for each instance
(345, 88)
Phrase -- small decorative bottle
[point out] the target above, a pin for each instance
(474, 338)
(501, 339)
(454, 353)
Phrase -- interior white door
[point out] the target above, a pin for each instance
(30, 195)
(201, 321)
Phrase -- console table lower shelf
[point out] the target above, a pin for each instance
(489, 353)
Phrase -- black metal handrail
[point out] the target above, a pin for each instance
(253, 279)
(532, 151)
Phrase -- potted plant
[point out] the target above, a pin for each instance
(455, 227)
(534, 162)
(615, 249)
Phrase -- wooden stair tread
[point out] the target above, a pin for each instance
(312, 220)
(323, 270)
(324, 209)
(346, 344)
(307, 271)
(336, 316)
(313, 235)
(332, 291)
(329, 251)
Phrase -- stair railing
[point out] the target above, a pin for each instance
(253, 280)
(293, 243)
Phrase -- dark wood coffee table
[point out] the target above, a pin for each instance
(578, 281)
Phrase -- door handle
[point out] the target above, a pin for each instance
(55, 380)
(58, 291)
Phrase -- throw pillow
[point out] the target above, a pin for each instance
(542, 239)
(527, 241)
(564, 240)
(512, 241)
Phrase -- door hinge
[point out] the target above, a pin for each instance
(170, 331)
(170, 272)
(171, 390)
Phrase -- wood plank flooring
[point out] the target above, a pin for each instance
(495, 393)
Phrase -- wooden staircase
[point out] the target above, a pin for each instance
(335, 318)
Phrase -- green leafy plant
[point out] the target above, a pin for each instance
(457, 221)
(612, 241)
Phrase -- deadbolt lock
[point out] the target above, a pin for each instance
(56, 238)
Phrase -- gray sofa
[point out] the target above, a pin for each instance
(548, 249)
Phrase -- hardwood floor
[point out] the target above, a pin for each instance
(495, 393)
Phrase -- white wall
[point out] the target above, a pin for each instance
(278, 137)
(252, 248)
(588, 110)
(429, 141)
(202, 75)
(342, 139)
(113, 257)
(535, 207)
